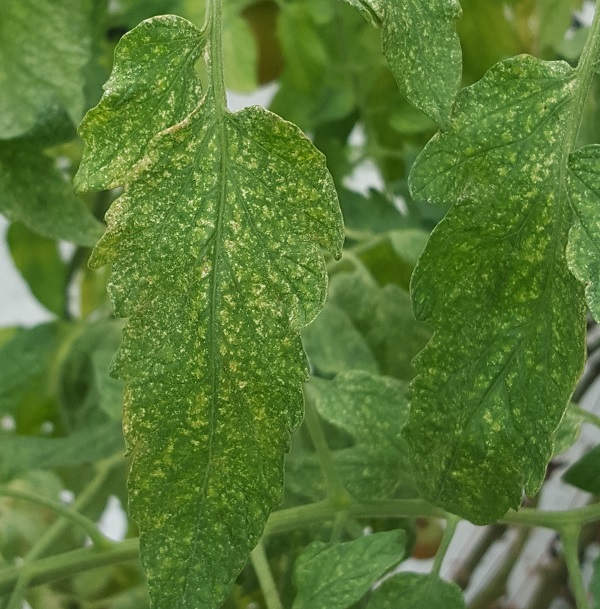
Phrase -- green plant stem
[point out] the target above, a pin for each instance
(97, 538)
(338, 495)
(586, 415)
(214, 53)
(58, 528)
(282, 521)
(570, 542)
(265, 577)
(451, 524)
(69, 563)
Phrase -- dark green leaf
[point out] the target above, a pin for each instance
(335, 576)
(216, 259)
(509, 318)
(416, 591)
(585, 473)
(45, 46)
(595, 584)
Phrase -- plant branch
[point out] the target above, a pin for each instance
(97, 538)
(570, 542)
(265, 577)
(451, 524)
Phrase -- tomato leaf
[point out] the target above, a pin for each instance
(509, 318)
(414, 591)
(45, 47)
(336, 576)
(215, 247)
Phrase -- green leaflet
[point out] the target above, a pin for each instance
(372, 409)
(509, 318)
(45, 46)
(428, 73)
(215, 247)
(153, 85)
(583, 251)
(336, 576)
(33, 191)
(416, 591)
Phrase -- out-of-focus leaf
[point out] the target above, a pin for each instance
(595, 584)
(372, 409)
(568, 431)
(40, 264)
(336, 576)
(45, 46)
(33, 191)
(585, 473)
(416, 591)
(102, 438)
(333, 344)
(508, 316)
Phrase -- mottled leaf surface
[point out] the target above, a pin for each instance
(336, 576)
(215, 247)
(422, 48)
(34, 191)
(416, 591)
(153, 85)
(583, 251)
(45, 46)
(509, 317)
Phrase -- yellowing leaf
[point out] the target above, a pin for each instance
(215, 247)
(509, 318)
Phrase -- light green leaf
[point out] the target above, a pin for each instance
(373, 410)
(33, 191)
(102, 438)
(153, 86)
(568, 431)
(583, 250)
(45, 46)
(416, 591)
(336, 576)
(428, 74)
(384, 317)
(216, 259)
(509, 318)
(40, 264)
(333, 344)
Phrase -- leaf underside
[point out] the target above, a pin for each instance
(215, 247)
(509, 318)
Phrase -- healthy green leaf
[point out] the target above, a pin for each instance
(216, 260)
(427, 74)
(416, 591)
(333, 344)
(102, 438)
(585, 473)
(583, 250)
(509, 318)
(373, 410)
(45, 46)
(40, 264)
(33, 191)
(336, 576)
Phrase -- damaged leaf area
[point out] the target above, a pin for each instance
(509, 318)
(216, 254)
